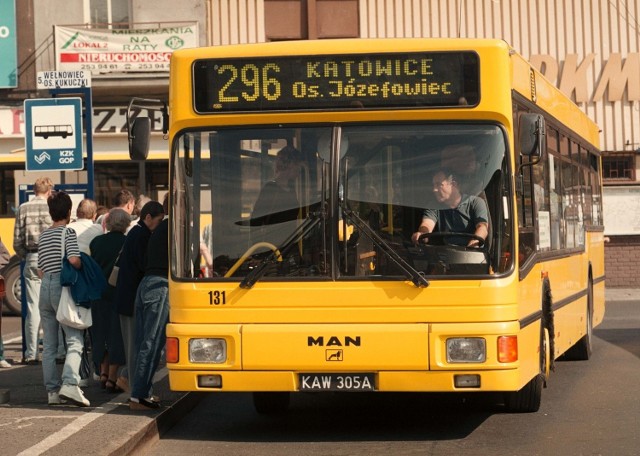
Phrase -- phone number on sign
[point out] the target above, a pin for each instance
(125, 67)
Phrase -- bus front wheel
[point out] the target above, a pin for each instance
(271, 403)
(528, 399)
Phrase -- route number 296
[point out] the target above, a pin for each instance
(217, 298)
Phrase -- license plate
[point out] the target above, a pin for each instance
(337, 382)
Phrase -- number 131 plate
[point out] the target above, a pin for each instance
(337, 382)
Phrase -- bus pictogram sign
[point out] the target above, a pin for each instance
(53, 136)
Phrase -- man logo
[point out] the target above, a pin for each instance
(334, 341)
(334, 355)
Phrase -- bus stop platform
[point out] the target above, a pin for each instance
(29, 426)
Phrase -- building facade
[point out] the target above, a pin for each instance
(589, 49)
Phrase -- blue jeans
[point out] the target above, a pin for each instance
(49, 300)
(128, 332)
(32, 319)
(152, 314)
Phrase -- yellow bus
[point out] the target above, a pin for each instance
(113, 171)
(320, 285)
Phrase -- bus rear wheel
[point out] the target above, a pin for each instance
(271, 403)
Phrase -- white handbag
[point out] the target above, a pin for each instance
(69, 313)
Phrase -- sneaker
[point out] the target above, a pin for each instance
(84, 382)
(54, 399)
(74, 394)
(143, 404)
(4, 363)
(30, 361)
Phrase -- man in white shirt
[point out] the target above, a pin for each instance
(84, 226)
(124, 200)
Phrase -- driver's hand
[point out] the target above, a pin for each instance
(416, 237)
(474, 243)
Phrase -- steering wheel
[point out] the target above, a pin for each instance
(443, 237)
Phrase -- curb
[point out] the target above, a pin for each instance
(158, 426)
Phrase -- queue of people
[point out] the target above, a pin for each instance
(127, 334)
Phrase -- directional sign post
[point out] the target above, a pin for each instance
(53, 136)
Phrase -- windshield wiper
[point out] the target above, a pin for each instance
(299, 233)
(410, 272)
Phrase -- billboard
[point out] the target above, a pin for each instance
(8, 45)
(103, 51)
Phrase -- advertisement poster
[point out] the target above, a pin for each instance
(103, 51)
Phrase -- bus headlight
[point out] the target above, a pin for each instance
(212, 351)
(466, 350)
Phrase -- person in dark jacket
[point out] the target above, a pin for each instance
(132, 264)
(108, 349)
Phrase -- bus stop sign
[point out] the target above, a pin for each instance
(53, 134)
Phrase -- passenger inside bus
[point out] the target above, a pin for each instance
(278, 201)
(462, 158)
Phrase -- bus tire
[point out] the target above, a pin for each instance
(13, 287)
(528, 399)
(581, 350)
(271, 403)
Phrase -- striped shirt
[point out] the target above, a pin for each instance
(50, 245)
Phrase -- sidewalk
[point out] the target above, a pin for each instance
(30, 427)
(622, 294)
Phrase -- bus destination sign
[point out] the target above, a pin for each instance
(415, 80)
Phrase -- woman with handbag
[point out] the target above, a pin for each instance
(55, 244)
(108, 348)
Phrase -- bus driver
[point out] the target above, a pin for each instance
(462, 213)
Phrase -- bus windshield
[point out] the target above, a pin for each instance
(335, 202)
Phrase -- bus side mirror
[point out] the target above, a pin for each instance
(532, 134)
(139, 138)
(139, 127)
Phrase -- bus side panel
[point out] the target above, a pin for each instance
(595, 242)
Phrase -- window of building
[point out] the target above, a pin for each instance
(618, 167)
(115, 13)
(311, 19)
